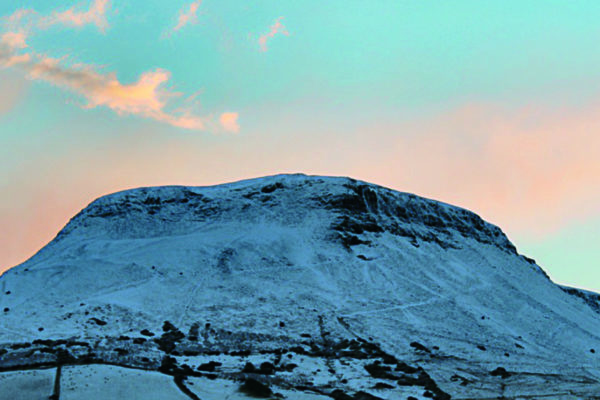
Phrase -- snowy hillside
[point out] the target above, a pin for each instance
(310, 287)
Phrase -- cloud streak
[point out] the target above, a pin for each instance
(530, 169)
(149, 97)
(95, 15)
(229, 122)
(188, 16)
(276, 28)
(28, 20)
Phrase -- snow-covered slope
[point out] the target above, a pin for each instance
(353, 283)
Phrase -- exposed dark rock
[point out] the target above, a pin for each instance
(463, 381)
(97, 321)
(380, 371)
(501, 372)
(419, 347)
(365, 396)
(383, 385)
(407, 369)
(271, 188)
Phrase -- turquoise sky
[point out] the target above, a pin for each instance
(489, 105)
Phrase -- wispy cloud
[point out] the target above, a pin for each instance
(150, 96)
(531, 169)
(188, 16)
(229, 122)
(75, 17)
(28, 20)
(14, 40)
(10, 44)
(276, 28)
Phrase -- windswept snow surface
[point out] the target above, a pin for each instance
(331, 274)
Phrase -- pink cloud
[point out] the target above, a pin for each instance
(189, 16)
(148, 97)
(229, 122)
(19, 19)
(10, 44)
(276, 28)
(14, 40)
(530, 169)
(95, 15)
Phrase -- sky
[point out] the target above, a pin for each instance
(491, 106)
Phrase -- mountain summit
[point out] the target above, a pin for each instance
(299, 286)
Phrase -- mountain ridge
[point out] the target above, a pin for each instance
(337, 275)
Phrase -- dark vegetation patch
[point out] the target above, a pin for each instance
(209, 366)
(266, 368)
(170, 337)
(121, 352)
(194, 332)
(339, 394)
(360, 395)
(380, 371)
(256, 389)
(383, 385)
(18, 346)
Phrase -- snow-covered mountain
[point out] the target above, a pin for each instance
(309, 287)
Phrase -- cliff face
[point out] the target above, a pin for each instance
(330, 271)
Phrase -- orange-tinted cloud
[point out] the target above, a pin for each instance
(229, 122)
(530, 169)
(189, 16)
(95, 15)
(14, 40)
(276, 28)
(10, 44)
(147, 97)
